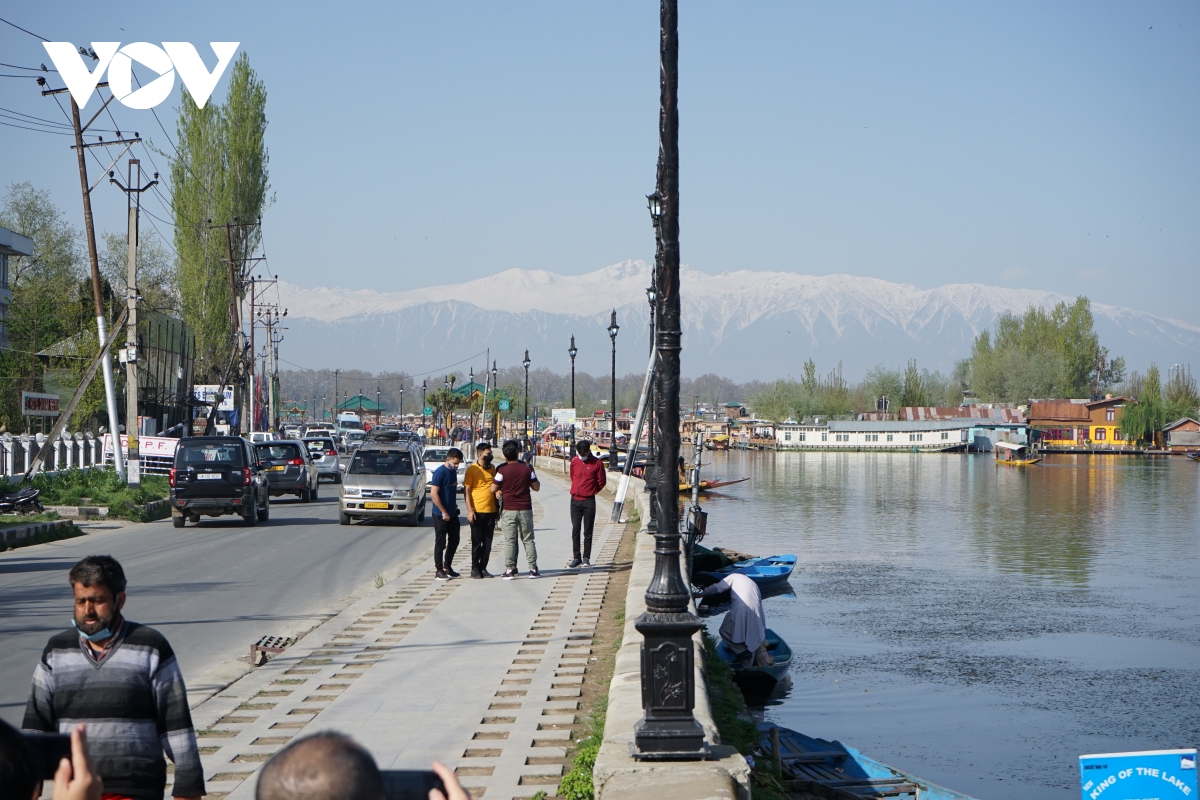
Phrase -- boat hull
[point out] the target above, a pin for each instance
(765, 572)
(780, 652)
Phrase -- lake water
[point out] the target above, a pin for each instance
(978, 625)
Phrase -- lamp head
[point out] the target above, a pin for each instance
(526, 362)
(613, 327)
(572, 351)
(655, 203)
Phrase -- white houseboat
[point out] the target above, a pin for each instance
(903, 435)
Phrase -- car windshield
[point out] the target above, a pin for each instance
(316, 445)
(436, 453)
(349, 424)
(382, 462)
(275, 452)
(356, 435)
(211, 453)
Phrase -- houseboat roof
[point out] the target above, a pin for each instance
(1008, 446)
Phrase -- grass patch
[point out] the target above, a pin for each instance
(98, 487)
(577, 784)
(734, 722)
(13, 520)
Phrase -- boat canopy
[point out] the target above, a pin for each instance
(1010, 446)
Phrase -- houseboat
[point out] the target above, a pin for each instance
(897, 435)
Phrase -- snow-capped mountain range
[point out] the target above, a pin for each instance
(742, 325)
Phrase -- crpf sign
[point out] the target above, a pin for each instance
(165, 61)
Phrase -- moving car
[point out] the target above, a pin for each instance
(324, 454)
(351, 440)
(218, 475)
(289, 469)
(384, 480)
(434, 457)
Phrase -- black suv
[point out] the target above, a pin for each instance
(218, 475)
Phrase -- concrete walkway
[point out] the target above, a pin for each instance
(482, 675)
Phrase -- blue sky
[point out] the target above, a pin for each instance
(1051, 146)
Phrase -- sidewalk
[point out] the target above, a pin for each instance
(481, 675)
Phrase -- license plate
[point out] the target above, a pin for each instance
(277, 469)
(209, 476)
(375, 505)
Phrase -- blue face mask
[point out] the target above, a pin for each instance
(98, 636)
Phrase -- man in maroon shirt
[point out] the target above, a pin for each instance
(587, 479)
(512, 484)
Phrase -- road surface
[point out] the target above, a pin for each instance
(212, 589)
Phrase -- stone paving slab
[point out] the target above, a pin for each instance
(482, 675)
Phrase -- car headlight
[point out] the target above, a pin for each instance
(347, 492)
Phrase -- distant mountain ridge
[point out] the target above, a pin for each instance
(744, 324)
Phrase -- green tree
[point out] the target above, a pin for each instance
(157, 275)
(1143, 421)
(1180, 395)
(881, 381)
(913, 392)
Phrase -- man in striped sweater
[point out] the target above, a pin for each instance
(122, 679)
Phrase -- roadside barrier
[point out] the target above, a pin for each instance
(69, 451)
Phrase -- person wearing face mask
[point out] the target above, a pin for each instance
(482, 509)
(122, 679)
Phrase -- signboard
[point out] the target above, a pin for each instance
(503, 405)
(563, 416)
(34, 404)
(158, 446)
(427, 411)
(207, 393)
(1158, 774)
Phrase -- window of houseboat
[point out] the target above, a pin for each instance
(1099, 437)
(889, 437)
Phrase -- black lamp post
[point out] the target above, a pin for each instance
(401, 406)
(378, 404)
(446, 409)
(613, 327)
(572, 351)
(424, 388)
(525, 429)
(668, 731)
(496, 389)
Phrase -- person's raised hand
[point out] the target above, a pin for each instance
(74, 779)
(454, 789)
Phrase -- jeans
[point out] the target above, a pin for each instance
(512, 525)
(582, 511)
(482, 530)
(445, 537)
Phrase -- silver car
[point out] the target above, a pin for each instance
(325, 455)
(433, 457)
(384, 480)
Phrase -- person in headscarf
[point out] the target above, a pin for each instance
(744, 629)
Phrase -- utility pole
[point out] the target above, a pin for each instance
(110, 394)
(236, 283)
(133, 194)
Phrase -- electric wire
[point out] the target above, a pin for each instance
(31, 69)
(22, 30)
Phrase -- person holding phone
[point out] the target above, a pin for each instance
(25, 763)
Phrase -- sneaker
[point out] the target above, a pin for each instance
(533, 573)
(587, 562)
(440, 575)
(477, 574)
(509, 574)
(573, 563)
(452, 573)
(483, 573)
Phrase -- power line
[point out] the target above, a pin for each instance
(38, 130)
(42, 68)
(22, 30)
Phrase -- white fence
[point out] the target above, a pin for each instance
(70, 451)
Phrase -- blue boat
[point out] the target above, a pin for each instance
(759, 679)
(816, 769)
(765, 572)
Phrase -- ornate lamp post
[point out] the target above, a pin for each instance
(668, 731)
(378, 404)
(402, 406)
(525, 430)
(572, 351)
(424, 387)
(496, 389)
(613, 328)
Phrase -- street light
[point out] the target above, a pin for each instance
(378, 405)
(525, 363)
(613, 327)
(424, 387)
(655, 203)
(402, 406)
(572, 351)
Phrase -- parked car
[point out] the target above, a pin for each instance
(434, 457)
(289, 468)
(218, 475)
(384, 480)
(325, 455)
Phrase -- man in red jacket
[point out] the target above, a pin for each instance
(587, 479)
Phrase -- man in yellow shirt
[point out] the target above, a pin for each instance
(482, 509)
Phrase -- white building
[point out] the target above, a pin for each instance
(914, 436)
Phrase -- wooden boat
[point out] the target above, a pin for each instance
(764, 572)
(708, 486)
(816, 769)
(1194, 456)
(756, 679)
(1014, 455)
(718, 442)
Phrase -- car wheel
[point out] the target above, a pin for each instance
(306, 495)
(337, 478)
(421, 513)
(250, 518)
(264, 513)
(178, 520)
(343, 518)
(316, 491)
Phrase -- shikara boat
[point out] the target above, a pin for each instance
(718, 442)
(708, 486)
(756, 679)
(1014, 455)
(1194, 456)
(816, 769)
(765, 572)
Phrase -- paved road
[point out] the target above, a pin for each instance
(213, 589)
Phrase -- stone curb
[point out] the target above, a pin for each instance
(18, 535)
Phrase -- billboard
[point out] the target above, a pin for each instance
(563, 416)
(35, 404)
(160, 446)
(207, 393)
(1158, 774)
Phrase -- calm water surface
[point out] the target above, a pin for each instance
(981, 626)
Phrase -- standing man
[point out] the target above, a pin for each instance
(122, 679)
(443, 490)
(514, 479)
(587, 479)
(482, 509)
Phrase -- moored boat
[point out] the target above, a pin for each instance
(815, 769)
(765, 572)
(1014, 455)
(1194, 456)
(755, 679)
(718, 442)
(708, 486)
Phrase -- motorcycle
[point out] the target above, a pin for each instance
(23, 502)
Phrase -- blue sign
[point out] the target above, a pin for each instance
(504, 405)
(1158, 774)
